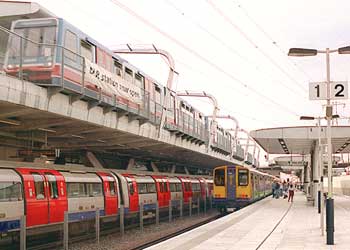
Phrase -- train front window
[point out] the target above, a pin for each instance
(37, 35)
(243, 177)
(10, 191)
(219, 177)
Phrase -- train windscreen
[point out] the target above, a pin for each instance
(38, 45)
(219, 177)
(243, 177)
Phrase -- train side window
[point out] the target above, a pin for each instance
(219, 178)
(151, 188)
(76, 190)
(142, 187)
(178, 187)
(172, 187)
(165, 187)
(39, 186)
(70, 42)
(156, 93)
(139, 81)
(52, 185)
(118, 68)
(112, 188)
(161, 188)
(10, 191)
(243, 177)
(131, 188)
(128, 75)
(95, 189)
(87, 50)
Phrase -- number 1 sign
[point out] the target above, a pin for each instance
(318, 90)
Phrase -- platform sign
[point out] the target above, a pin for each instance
(318, 90)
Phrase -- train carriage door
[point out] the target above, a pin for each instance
(37, 209)
(56, 195)
(110, 193)
(231, 182)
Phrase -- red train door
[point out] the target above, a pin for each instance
(37, 205)
(110, 193)
(133, 193)
(56, 195)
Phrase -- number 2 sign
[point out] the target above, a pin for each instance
(318, 90)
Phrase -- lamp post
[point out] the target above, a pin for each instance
(329, 107)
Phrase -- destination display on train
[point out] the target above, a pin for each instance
(112, 83)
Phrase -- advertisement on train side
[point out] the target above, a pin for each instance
(112, 83)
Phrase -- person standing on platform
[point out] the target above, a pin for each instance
(277, 190)
(291, 192)
(273, 189)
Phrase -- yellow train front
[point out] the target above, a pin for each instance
(236, 186)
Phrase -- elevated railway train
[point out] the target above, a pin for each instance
(236, 186)
(53, 53)
(45, 192)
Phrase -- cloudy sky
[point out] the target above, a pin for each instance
(235, 50)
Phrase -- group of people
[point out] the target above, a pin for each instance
(284, 189)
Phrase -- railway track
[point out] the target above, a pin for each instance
(171, 235)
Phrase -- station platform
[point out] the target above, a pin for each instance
(266, 225)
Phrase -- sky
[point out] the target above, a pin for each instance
(234, 50)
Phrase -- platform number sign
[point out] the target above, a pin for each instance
(318, 90)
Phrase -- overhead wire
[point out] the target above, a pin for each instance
(227, 46)
(246, 37)
(273, 41)
(202, 58)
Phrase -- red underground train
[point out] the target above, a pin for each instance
(43, 192)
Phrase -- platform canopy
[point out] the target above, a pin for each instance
(301, 140)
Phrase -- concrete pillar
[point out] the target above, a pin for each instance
(186, 170)
(154, 167)
(307, 178)
(131, 164)
(93, 160)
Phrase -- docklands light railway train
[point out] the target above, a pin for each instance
(44, 192)
(236, 186)
(51, 52)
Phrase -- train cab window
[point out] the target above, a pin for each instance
(70, 43)
(52, 185)
(151, 188)
(172, 187)
(178, 187)
(131, 188)
(76, 190)
(10, 191)
(128, 75)
(219, 178)
(87, 50)
(94, 189)
(118, 68)
(39, 186)
(243, 177)
(112, 188)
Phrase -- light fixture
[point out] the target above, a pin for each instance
(10, 122)
(47, 130)
(78, 136)
(302, 52)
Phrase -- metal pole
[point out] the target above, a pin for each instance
(205, 205)
(322, 206)
(170, 210)
(181, 207)
(198, 205)
(20, 74)
(190, 206)
(23, 236)
(97, 225)
(330, 203)
(157, 213)
(141, 216)
(121, 219)
(65, 231)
